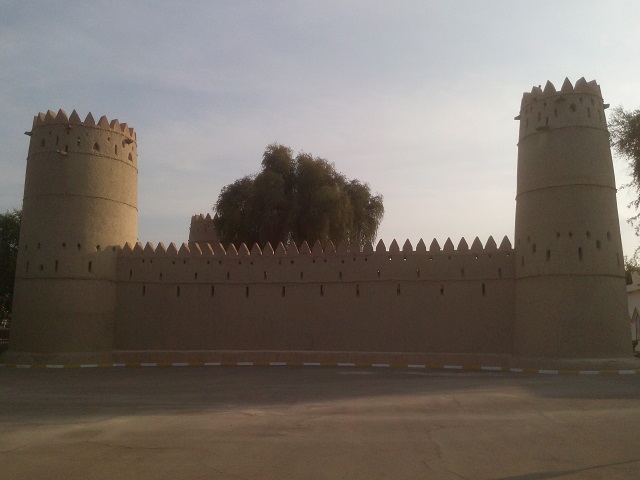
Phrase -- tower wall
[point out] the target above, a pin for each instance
(570, 288)
(80, 205)
(202, 230)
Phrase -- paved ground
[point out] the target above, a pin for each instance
(312, 423)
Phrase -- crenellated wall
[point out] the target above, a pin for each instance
(399, 300)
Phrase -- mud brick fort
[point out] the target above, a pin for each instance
(87, 291)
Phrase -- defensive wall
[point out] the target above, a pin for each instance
(344, 299)
(86, 290)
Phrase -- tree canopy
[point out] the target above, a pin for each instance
(9, 235)
(624, 129)
(296, 199)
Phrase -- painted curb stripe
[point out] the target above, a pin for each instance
(465, 368)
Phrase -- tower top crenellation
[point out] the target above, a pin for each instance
(74, 119)
(581, 86)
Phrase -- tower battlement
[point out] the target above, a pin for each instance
(581, 106)
(68, 136)
(202, 229)
(74, 119)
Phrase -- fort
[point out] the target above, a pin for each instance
(87, 291)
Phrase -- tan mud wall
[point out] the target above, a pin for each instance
(454, 301)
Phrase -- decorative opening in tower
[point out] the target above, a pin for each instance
(283, 290)
(357, 290)
(96, 147)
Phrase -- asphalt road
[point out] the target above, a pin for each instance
(315, 423)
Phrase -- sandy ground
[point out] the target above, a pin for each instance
(313, 423)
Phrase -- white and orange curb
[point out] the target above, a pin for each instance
(465, 368)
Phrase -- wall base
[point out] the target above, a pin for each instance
(73, 358)
(575, 364)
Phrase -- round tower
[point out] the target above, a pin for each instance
(570, 289)
(79, 207)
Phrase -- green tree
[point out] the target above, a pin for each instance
(296, 199)
(9, 234)
(624, 130)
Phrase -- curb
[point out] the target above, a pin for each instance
(464, 368)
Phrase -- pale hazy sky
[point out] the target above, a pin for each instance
(417, 98)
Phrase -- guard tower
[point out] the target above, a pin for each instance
(80, 206)
(570, 288)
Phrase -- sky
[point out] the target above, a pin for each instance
(416, 98)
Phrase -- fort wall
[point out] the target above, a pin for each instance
(450, 300)
(86, 291)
